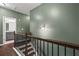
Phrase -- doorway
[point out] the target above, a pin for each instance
(9, 26)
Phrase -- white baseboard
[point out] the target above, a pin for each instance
(1, 44)
(7, 42)
(17, 51)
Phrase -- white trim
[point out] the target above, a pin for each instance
(1, 44)
(7, 42)
(17, 51)
(4, 29)
(34, 50)
(12, 41)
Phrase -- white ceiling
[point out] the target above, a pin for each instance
(21, 7)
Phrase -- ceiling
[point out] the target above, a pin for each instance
(21, 7)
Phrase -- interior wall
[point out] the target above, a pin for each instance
(57, 22)
(63, 26)
(22, 23)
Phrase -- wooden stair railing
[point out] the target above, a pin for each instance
(24, 46)
(42, 45)
(42, 41)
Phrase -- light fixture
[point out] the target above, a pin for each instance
(2, 4)
(44, 28)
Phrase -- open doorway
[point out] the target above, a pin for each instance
(9, 26)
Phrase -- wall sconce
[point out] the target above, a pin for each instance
(44, 27)
(44, 30)
(2, 4)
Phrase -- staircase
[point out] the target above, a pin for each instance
(28, 45)
(20, 46)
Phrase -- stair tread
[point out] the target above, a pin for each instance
(25, 47)
(20, 43)
(30, 49)
(28, 41)
(21, 46)
(31, 54)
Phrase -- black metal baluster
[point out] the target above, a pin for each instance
(65, 50)
(37, 46)
(74, 52)
(47, 49)
(14, 39)
(40, 47)
(35, 43)
(52, 49)
(58, 50)
(17, 40)
(43, 48)
(32, 42)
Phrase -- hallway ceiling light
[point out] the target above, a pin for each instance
(2, 4)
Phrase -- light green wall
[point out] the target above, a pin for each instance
(64, 27)
(23, 23)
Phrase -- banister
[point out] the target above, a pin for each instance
(71, 45)
(35, 40)
(19, 34)
(62, 43)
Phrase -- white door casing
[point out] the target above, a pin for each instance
(9, 20)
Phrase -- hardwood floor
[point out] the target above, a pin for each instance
(7, 50)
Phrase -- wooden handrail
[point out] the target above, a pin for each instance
(22, 33)
(19, 34)
(57, 42)
(62, 43)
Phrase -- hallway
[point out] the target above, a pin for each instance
(39, 29)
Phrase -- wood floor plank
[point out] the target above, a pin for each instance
(7, 50)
